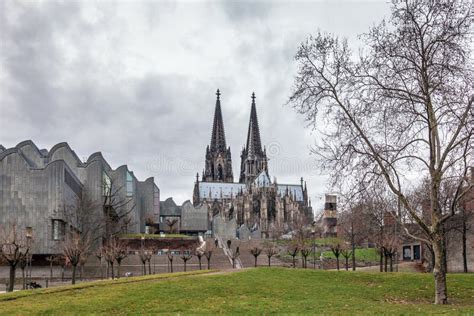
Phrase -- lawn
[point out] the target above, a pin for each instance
(253, 291)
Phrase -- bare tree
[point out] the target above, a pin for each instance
(99, 254)
(75, 248)
(293, 248)
(14, 249)
(255, 251)
(186, 256)
(120, 252)
(208, 254)
(145, 256)
(305, 251)
(23, 264)
(336, 246)
(172, 223)
(170, 256)
(270, 250)
(405, 105)
(346, 252)
(51, 259)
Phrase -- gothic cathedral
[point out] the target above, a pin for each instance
(255, 202)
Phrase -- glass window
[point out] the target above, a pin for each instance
(58, 229)
(107, 184)
(156, 200)
(129, 184)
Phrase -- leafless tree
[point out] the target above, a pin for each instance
(208, 254)
(119, 251)
(23, 264)
(336, 245)
(51, 259)
(172, 223)
(145, 255)
(270, 250)
(403, 106)
(255, 251)
(234, 255)
(185, 256)
(346, 252)
(75, 248)
(14, 249)
(199, 254)
(293, 248)
(170, 256)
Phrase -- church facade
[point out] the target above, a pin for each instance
(255, 201)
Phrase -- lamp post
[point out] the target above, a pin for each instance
(29, 237)
(313, 233)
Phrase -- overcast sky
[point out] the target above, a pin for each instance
(137, 80)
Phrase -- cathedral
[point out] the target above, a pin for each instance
(254, 201)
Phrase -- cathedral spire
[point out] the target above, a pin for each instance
(254, 144)
(218, 134)
(253, 158)
(218, 167)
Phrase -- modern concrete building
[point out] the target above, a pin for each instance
(39, 188)
(186, 219)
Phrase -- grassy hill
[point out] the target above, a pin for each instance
(253, 291)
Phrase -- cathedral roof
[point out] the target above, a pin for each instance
(294, 189)
(214, 190)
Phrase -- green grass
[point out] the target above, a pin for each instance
(155, 236)
(362, 254)
(254, 291)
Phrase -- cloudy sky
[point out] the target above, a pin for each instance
(137, 80)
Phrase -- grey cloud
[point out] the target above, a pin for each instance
(72, 71)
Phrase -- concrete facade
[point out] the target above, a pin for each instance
(38, 187)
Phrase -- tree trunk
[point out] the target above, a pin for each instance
(439, 272)
(353, 257)
(294, 262)
(269, 261)
(347, 263)
(149, 267)
(200, 266)
(73, 281)
(385, 262)
(391, 262)
(23, 278)
(118, 270)
(255, 262)
(184, 266)
(381, 261)
(11, 283)
(51, 270)
(62, 273)
(171, 266)
(209, 263)
(81, 271)
(464, 246)
(112, 269)
(337, 263)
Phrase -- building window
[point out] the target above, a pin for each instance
(106, 184)
(58, 229)
(156, 200)
(129, 182)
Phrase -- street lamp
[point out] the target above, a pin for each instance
(29, 237)
(313, 233)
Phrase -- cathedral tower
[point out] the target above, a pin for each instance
(218, 166)
(253, 158)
